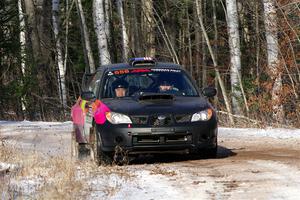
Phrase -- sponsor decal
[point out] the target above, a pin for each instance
(119, 72)
(127, 71)
(139, 70)
(96, 109)
(99, 115)
(166, 70)
(77, 112)
(110, 74)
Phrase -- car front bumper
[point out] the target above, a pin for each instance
(189, 137)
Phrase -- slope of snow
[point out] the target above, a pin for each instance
(7, 127)
(278, 133)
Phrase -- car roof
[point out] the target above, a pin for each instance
(119, 66)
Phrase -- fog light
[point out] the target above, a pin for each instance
(118, 139)
(204, 137)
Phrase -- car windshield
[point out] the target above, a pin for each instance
(138, 81)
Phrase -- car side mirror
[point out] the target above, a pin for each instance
(88, 95)
(209, 91)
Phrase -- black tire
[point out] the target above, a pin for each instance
(211, 153)
(99, 157)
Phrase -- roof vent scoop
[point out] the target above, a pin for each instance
(142, 61)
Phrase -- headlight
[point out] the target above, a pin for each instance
(204, 115)
(117, 118)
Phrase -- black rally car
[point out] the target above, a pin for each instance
(144, 106)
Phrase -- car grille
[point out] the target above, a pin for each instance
(160, 120)
(182, 118)
(139, 119)
(153, 120)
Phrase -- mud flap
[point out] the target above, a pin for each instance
(74, 145)
(92, 145)
(78, 150)
(120, 156)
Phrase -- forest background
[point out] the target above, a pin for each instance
(249, 50)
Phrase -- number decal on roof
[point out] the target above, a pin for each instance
(119, 72)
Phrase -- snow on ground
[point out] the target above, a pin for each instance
(279, 133)
(256, 171)
(13, 127)
(46, 137)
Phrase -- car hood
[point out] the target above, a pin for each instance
(178, 105)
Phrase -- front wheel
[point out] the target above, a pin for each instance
(211, 153)
(100, 157)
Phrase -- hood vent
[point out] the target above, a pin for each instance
(155, 97)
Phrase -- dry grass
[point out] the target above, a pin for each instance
(162, 171)
(38, 177)
(44, 177)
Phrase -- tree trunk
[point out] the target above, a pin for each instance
(125, 47)
(257, 30)
(161, 28)
(204, 65)
(215, 45)
(87, 46)
(22, 48)
(198, 40)
(32, 29)
(235, 53)
(270, 19)
(148, 27)
(189, 43)
(100, 24)
(59, 56)
(135, 36)
(107, 14)
(244, 26)
(214, 62)
(39, 48)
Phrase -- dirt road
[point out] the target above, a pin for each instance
(249, 166)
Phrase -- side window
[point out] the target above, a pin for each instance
(108, 90)
(95, 83)
(86, 81)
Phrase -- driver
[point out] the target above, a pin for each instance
(120, 87)
(165, 86)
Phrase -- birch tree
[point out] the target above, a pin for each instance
(235, 53)
(135, 37)
(59, 56)
(148, 26)
(215, 39)
(86, 45)
(270, 21)
(202, 5)
(100, 24)
(221, 83)
(22, 45)
(197, 52)
(125, 47)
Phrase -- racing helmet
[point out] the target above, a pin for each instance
(119, 83)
